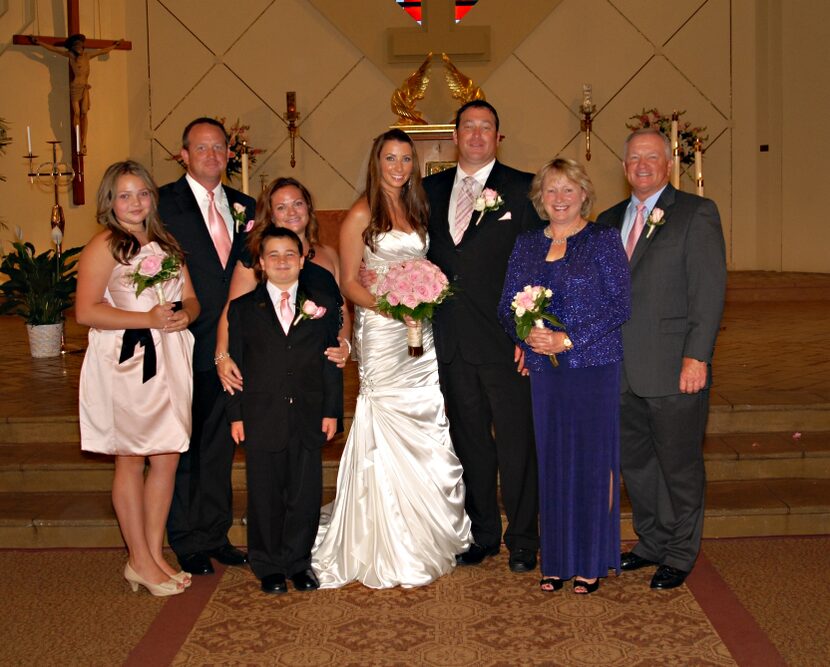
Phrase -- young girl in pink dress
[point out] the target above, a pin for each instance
(136, 380)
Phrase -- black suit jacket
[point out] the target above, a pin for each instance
(289, 384)
(467, 322)
(180, 213)
(678, 285)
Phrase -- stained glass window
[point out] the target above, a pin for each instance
(413, 8)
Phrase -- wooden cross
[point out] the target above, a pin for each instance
(439, 33)
(74, 27)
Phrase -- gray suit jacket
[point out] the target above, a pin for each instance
(678, 284)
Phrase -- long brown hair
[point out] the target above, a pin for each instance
(123, 245)
(413, 197)
(265, 213)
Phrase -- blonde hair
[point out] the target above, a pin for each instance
(573, 171)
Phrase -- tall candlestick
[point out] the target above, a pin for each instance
(78, 138)
(245, 186)
(675, 176)
(698, 169)
(29, 138)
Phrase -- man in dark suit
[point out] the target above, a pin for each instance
(197, 210)
(488, 401)
(678, 282)
(287, 410)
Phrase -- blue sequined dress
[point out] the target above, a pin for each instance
(576, 405)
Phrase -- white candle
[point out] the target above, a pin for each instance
(587, 102)
(78, 138)
(245, 187)
(29, 138)
(698, 171)
(675, 178)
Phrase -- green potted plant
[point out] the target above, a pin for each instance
(39, 289)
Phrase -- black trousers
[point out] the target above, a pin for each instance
(201, 513)
(661, 456)
(491, 425)
(284, 494)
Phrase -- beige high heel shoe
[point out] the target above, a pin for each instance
(169, 587)
(184, 578)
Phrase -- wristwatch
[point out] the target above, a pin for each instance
(568, 344)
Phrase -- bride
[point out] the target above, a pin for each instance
(398, 518)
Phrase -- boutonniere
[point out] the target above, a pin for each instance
(238, 213)
(488, 200)
(309, 311)
(655, 219)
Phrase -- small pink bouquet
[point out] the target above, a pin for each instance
(154, 270)
(488, 200)
(529, 312)
(309, 311)
(411, 290)
(238, 213)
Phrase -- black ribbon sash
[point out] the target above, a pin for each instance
(143, 337)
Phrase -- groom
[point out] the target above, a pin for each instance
(488, 402)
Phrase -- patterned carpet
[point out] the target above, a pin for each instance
(748, 602)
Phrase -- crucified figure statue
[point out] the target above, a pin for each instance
(78, 78)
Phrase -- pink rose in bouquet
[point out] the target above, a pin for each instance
(150, 266)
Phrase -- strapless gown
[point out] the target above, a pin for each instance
(119, 413)
(398, 517)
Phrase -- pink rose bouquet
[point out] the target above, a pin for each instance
(154, 270)
(529, 311)
(412, 290)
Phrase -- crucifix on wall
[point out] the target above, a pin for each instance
(74, 48)
(439, 33)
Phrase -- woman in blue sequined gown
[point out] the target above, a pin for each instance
(575, 404)
(398, 517)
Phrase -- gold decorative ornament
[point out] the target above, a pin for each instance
(412, 90)
(461, 86)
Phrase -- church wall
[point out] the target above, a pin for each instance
(749, 71)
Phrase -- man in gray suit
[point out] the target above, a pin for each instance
(678, 281)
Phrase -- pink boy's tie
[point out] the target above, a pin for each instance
(286, 312)
(218, 231)
(636, 230)
(463, 209)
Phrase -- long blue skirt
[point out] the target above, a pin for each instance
(576, 418)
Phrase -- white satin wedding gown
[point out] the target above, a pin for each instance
(398, 518)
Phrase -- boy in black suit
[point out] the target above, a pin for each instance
(288, 409)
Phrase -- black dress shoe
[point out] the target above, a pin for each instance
(273, 583)
(668, 577)
(197, 563)
(631, 561)
(228, 555)
(305, 581)
(522, 560)
(475, 554)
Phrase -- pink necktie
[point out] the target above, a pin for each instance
(286, 313)
(218, 231)
(636, 230)
(463, 209)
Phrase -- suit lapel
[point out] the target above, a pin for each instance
(665, 202)
(494, 182)
(443, 192)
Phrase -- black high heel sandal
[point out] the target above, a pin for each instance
(550, 585)
(589, 588)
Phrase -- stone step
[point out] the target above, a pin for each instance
(733, 509)
(772, 286)
(53, 467)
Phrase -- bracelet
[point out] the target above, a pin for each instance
(349, 345)
(219, 357)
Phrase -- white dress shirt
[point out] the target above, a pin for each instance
(222, 204)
